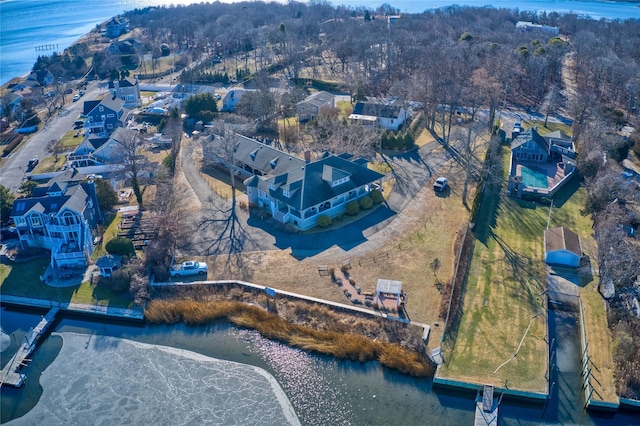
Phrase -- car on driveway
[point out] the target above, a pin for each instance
(517, 129)
(190, 267)
(440, 184)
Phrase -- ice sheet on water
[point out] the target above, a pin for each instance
(117, 381)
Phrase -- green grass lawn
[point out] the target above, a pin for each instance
(70, 141)
(504, 291)
(110, 232)
(23, 279)
(550, 127)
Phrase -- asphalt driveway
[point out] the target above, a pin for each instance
(220, 229)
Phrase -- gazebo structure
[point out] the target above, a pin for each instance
(108, 264)
(388, 289)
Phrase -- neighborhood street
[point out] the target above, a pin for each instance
(14, 169)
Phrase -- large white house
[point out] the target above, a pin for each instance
(59, 216)
(295, 191)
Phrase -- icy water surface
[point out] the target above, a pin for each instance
(102, 380)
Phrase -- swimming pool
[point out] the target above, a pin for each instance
(533, 178)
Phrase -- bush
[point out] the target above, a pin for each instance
(120, 280)
(324, 221)
(353, 208)
(121, 246)
(366, 202)
(376, 196)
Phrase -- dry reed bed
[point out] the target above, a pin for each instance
(307, 326)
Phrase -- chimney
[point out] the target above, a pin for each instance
(116, 86)
(307, 156)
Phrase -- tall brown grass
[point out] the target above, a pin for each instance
(340, 345)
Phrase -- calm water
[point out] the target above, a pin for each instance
(321, 390)
(25, 24)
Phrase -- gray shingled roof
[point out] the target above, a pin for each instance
(530, 135)
(377, 110)
(312, 189)
(562, 238)
(264, 157)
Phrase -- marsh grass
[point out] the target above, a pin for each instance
(342, 345)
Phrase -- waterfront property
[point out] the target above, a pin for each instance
(293, 190)
(540, 165)
(60, 216)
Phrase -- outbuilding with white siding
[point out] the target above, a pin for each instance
(562, 247)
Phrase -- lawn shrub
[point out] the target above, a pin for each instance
(353, 208)
(376, 196)
(366, 202)
(119, 281)
(324, 221)
(121, 246)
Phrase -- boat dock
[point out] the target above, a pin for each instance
(10, 374)
(486, 408)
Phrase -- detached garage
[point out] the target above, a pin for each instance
(562, 247)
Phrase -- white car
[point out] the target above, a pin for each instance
(190, 267)
(440, 184)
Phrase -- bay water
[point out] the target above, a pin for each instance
(25, 24)
(218, 374)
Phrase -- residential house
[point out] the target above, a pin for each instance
(97, 151)
(311, 107)
(562, 247)
(108, 264)
(43, 77)
(232, 98)
(104, 116)
(59, 216)
(127, 89)
(295, 191)
(540, 166)
(124, 47)
(530, 26)
(10, 104)
(388, 114)
(116, 27)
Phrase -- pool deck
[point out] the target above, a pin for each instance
(553, 172)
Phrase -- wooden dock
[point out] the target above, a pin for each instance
(486, 408)
(10, 374)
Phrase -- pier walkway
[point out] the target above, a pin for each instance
(486, 408)
(10, 374)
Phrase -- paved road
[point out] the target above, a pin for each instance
(219, 234)
(14, 170)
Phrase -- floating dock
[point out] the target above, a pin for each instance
(10, 374)
(486, 408)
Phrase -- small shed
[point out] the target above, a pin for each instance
(389, 289)
(108, 264)
(562, 247)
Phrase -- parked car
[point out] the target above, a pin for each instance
(440, 184)
(517, 129)
(76, 98)
(32, 163)
(190, 267)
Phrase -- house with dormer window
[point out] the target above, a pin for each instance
(60, 216)
(295, 191)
